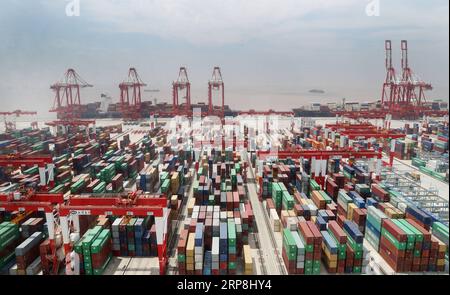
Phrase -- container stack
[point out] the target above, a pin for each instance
(355, 248)
(232, 247)
(9, 239)
(440, 231)
(86, 242)
(190, 255)
(419, 216)
(32, 225)
(300, 260)
(215, 256)
(289, 251)
(329, 252)
(312, 239)
(374, 223)
(379, 193)
(217, 235)
(426, 246)
(340, 237)
(131, 243)
(131, 237)
(181, 248)
(223, 248)
(27, 252)
(116, 236)
(277, 195)
(343, 202)
(248, 261)
(123, 237)
(139, 229)
(287, 201)
(198, 250)
(393, 245)
(101, 251)
(332, 188)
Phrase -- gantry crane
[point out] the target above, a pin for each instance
(130, 95)
(62, 215)
(410, 83)
(38, 202)
(10, 125)
(403, 96)
(132, 204)
(67, 101)
(216, 85)
(182, 84)
(45, 164)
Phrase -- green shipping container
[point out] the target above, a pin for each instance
(231, 233)
(409, 234)
(393, 240)
(288, 201)
(289, 244)
(314, 185)
(101, 241)
(165, 186)
(100, 188)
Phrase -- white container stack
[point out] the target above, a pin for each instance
(215, 252)
(300, 251)
(275, 220)
(199, 245)
(115, 234)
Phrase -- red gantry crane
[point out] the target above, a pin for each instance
(67, 95)
(45, 164)
(62, 215)
(390, 85)
(67, 103)
(38, 202)
(130, 95)
(403, 96)
(410, 97)
(132, 204)
(10, 125)
(216, 85)
(181, 85)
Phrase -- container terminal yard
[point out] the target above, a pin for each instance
(193, 190)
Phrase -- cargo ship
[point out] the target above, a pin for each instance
(98, 110)
(329, 109)
(105, 109)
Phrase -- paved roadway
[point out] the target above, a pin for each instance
(271, 260)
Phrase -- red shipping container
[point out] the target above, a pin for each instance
(394, 230)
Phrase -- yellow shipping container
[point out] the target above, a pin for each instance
(350, 209)
(190, 206)
(190, 246)
(330, 257)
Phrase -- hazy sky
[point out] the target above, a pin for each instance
(271, 51)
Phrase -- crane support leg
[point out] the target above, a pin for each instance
(161, 240)
(64, 221)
